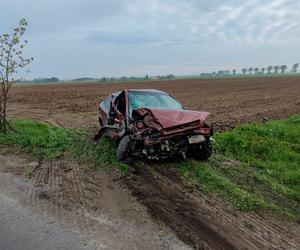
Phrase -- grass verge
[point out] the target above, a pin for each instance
(45, 141)
(256, 166)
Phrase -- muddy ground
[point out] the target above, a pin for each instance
(95, 205)
(203, 221)
(197, 219)
(151, 208)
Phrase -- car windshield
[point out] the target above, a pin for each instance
(152, 100)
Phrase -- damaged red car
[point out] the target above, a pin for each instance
(153, 124)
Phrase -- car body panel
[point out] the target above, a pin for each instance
(171, 118)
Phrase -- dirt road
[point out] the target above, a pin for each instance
(230, 101)
(65, 206)
(21, 229)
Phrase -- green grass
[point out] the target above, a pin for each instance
(256, 166)
(45, 141)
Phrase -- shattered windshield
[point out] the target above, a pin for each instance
(152, 100)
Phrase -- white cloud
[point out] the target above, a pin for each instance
(68, 38)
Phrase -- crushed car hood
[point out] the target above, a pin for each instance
(170, 118)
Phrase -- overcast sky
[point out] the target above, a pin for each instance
(77, 38)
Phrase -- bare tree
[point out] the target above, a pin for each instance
(276, 68)
(263, 70)
(11, 60)
(283, 68)
(256, 70)
(269, 69)
(234, 72)
(295, 66)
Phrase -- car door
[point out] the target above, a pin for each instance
(104, 110)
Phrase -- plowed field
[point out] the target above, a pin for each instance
(230, 101)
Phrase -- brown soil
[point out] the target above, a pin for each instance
(202, 221)
(97, 204)
(230, 101)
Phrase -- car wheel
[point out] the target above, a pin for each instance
(203, 151)
(123, 149)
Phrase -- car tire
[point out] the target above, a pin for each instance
(203, 151)
(123, 149)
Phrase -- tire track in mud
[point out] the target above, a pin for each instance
(38, 180)
(54, 191)
(58, 190)
(78, 209)
(270, 234)
(204, 222)
(167, 203)
(46, 192)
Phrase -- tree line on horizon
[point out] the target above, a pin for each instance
(103, 79)
(253, 71)
(270, 70)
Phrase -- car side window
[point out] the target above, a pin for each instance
(107, 103)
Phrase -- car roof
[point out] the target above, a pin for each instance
(147, 90)
(115, 94)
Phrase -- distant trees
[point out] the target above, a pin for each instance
(45, 80)
(252, 70)
(283, 68)
(269, 69)
(276, 69)
(81, 79)
(295, 66)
